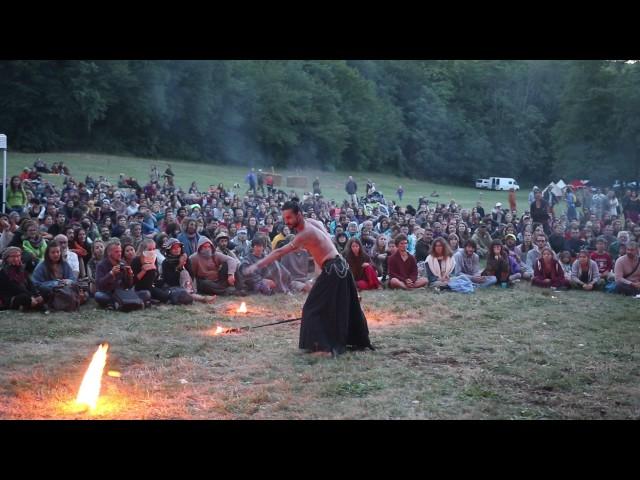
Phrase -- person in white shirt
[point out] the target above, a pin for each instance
(70, 257)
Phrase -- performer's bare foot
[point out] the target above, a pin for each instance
(321, 354)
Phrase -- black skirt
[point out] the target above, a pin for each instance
(332, 319)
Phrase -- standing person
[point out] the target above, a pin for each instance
(332, 318)
(316, 187)
(351, 188)
(632, 207)
(572, 214)
(540, 212)
(512, 199)
(16, 196)
(400, 192)
(261, 181)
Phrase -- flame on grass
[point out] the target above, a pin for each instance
(90, 387)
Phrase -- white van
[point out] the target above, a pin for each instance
(501, 183)
(483, 183)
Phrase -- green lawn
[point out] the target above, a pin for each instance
(523, 353)
(331, 183)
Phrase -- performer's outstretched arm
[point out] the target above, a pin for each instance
(272, 257)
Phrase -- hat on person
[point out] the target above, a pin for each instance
(107, 201)
(169, 242)
(222, 235)
(194, 206)
(498, 204)
(242, 231)
(510, 235)
(10, 251)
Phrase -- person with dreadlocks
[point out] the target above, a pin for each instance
(17, 292)
(332, 318)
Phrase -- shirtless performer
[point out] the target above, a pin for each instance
(331, 317)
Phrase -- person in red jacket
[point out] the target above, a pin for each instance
(403, 269)
(548, 272)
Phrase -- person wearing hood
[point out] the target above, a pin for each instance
(16, 289)
(283, 231)
(190, 238)
(242, 244)
(213, 271)
(175, 270)
(223, 246)
(352, 230)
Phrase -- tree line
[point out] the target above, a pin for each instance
(442, 120)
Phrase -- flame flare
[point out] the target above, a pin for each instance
(90, 386)
(243, 308)
(219, 330)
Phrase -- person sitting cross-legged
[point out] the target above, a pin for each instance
(403, 269)
(112, 274)
(297, 263)
(267, 280)
(213, 271)
(627, 270)
(547, 271)
(440, 264)
(584, 272)
(361, 266)
(17, 291)
(498, 264)
(54, 272)
(468, 265)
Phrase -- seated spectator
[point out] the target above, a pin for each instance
(423, 245)
(547, 271)
(97, 254)
(33, 242)
(53, 272)
(268, 280)
(621, 239)
(454, 242)
(17, 292)
(440, 264)
(498, 265)
(70, 257)
(213, 271)
(403, 268)
(379, 256)
(534, 254)
(575, 243)
(297, 264)
(112, 273)
(145, 271)
(175, 270)
(584, 272)
(128, 251)
(627, 270)
(361, 266)
(468, 265)
(483, 240)
(567, 265)
(190, 237)
(604, 261)
(340, 241)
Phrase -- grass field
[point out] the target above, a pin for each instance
(522, 353)
(516, 354)
(331, 183)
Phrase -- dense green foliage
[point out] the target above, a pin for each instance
(437, 120)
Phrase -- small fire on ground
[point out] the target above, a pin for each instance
(89, 391)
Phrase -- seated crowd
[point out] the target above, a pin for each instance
(94, 239)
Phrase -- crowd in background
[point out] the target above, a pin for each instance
(97, 239)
